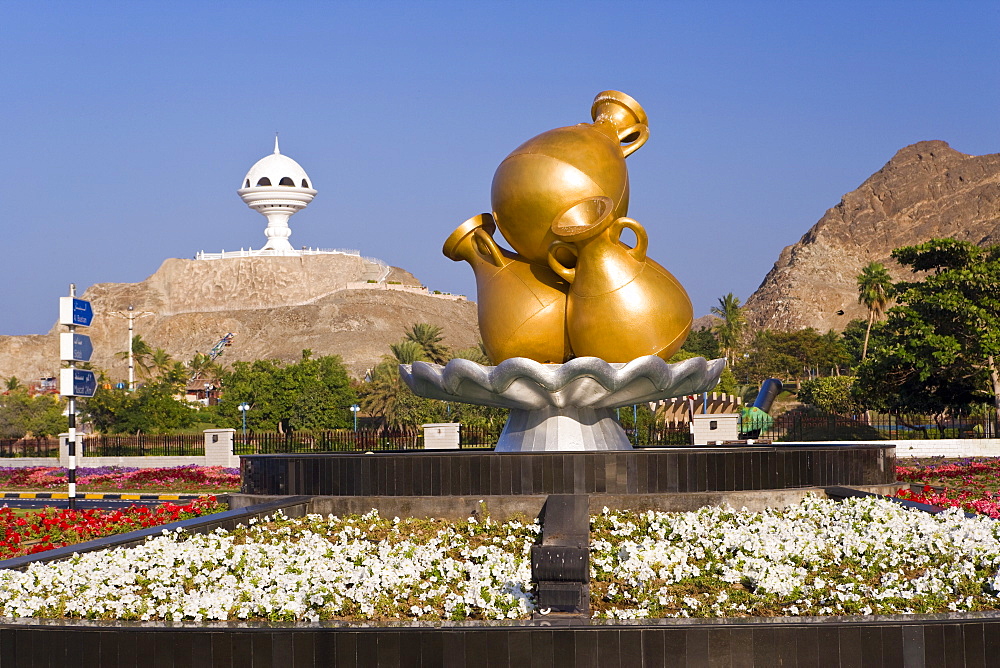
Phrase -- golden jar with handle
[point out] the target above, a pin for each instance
(522, 306)
(621, 304)
(550, 172)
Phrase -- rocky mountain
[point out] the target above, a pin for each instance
(277, 306)
(925, 191)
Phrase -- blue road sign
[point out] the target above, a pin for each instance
(77, 383)
(73, 311)
(75, 347)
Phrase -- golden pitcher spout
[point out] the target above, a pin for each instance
(522, 306)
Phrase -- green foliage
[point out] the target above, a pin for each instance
(22, 414)
(153, 408)
(853, 338)
(874, 291)
(311, 394)
(730, 328)
(429, 338)
(832, 394)
(702, 343)
(727, 381)
(804, 353)
(937, 351)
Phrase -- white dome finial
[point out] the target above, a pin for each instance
(276, 187)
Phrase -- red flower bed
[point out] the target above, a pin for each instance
(108, 478)
(970, 484)
(50, 528)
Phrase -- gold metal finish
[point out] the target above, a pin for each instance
(573, 288)
(621, 304)
(522, 306)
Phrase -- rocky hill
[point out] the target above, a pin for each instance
(927, 190)
(276, 306)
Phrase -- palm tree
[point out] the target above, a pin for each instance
(730, 329)
(14, 384)
(874, 287)
(141, 355)
(162, 362)
(408, 352)
(429, 338)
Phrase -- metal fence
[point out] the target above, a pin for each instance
(143, 445)
(343, 440)
(29, 447)
(816, 426)
(654, 436)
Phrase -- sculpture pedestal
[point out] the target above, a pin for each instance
(569, 429)
(562, 407)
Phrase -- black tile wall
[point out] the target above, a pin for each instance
(636, 472)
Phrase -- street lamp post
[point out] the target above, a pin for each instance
(244, 407)
(131, 314)
(354, 409)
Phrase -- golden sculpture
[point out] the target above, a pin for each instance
(522, 306)
(573, 289)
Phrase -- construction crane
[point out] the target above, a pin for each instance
(216, 350)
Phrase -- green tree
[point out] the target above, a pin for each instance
(803, 353)
(937, 351)
(22, 414)
(730, 328)
(153, 408)
(312, 394)
(833, 394)
(702, 343)
(429, 338)
(13, 384)
(874, 292)
(408, 352)
(203, 367)
(142, 356)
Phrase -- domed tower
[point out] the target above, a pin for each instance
(276, 187)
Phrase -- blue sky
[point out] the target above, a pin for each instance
(128, 126)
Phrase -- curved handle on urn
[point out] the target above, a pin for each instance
(486, 246)
(640, 129)
(568, 274)
(641, 238)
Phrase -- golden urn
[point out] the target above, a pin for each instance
(621, 304)
(522, 306)
(573, 289)
(547, 174)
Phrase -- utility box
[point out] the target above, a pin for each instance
(441, 436)
(709, 429)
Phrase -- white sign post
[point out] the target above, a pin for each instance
(74, 382)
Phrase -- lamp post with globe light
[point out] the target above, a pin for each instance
(354, 409)
(243, 408)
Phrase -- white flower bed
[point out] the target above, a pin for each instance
(864, 556)
(311, 569)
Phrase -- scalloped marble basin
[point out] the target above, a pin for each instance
(562, 407)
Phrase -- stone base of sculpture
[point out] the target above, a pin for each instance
(562, 407)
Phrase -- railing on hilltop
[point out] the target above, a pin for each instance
(249, 252)
(29, 447)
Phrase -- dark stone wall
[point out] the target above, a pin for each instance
(660, 471)
(918, 640)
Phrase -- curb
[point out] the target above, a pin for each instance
(101, 496)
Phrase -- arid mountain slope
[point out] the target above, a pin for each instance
(926, 190)
(277, 306)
